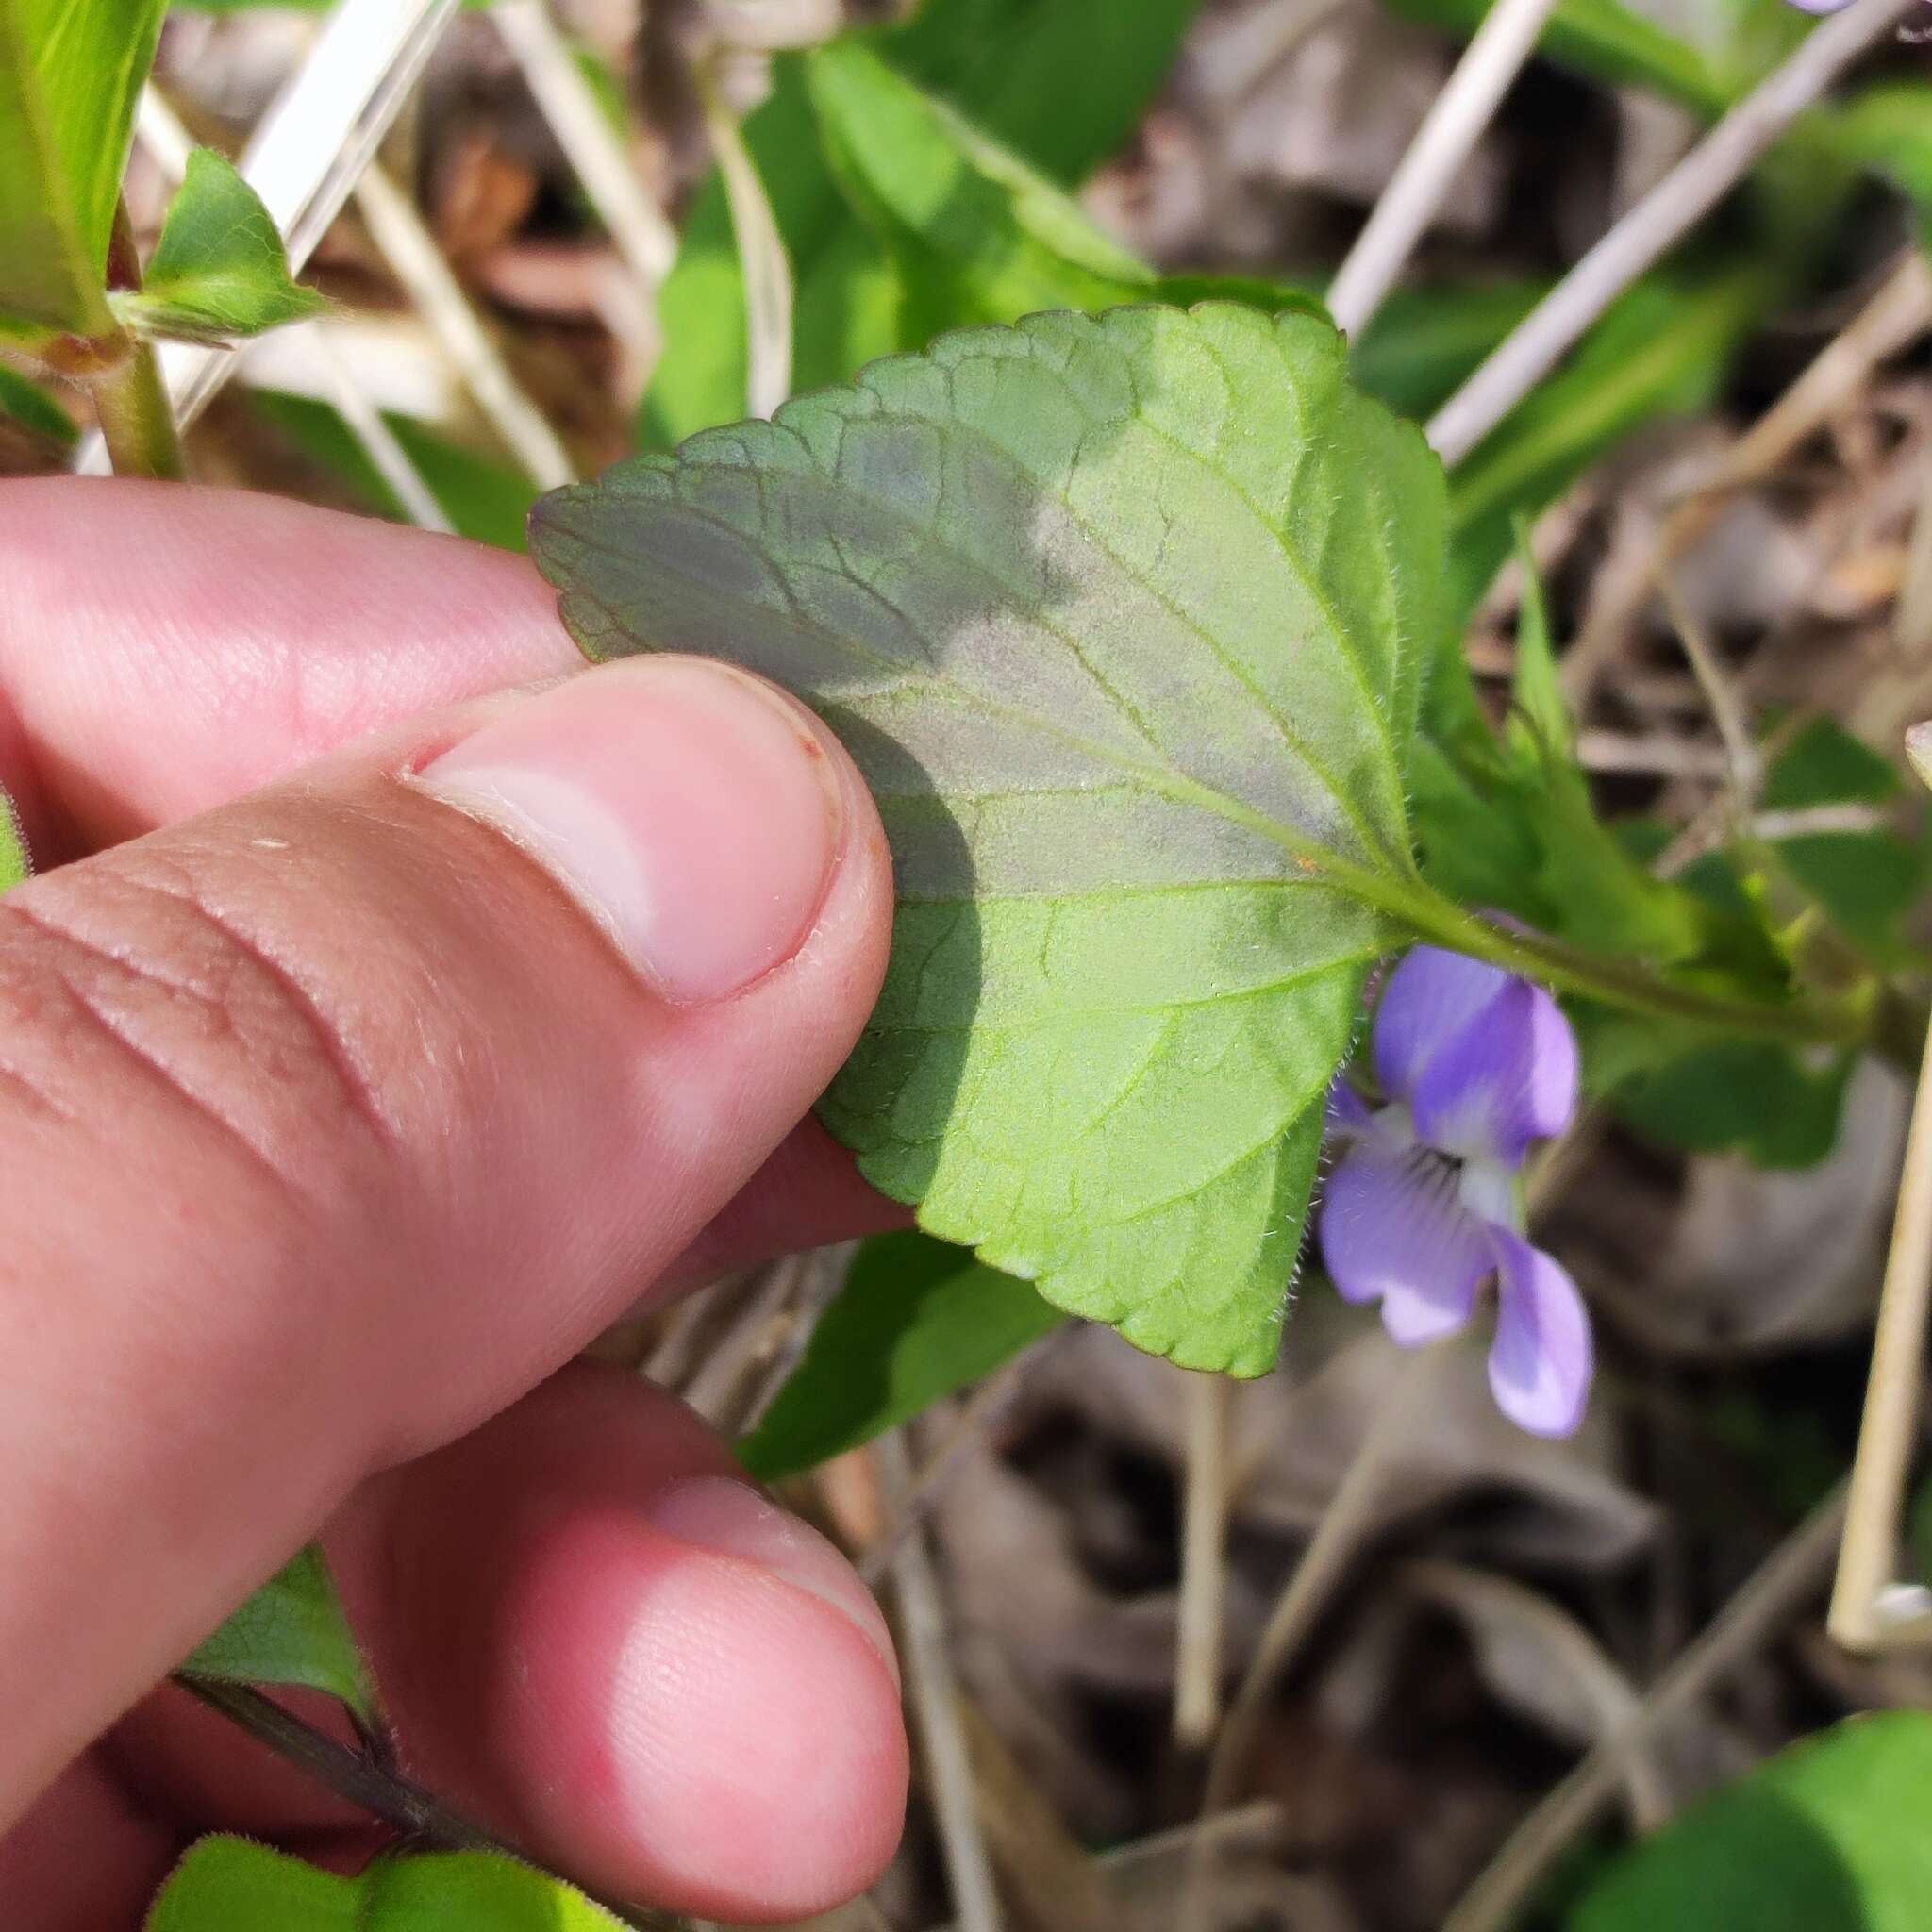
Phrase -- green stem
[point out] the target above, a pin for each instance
(136, 419)
(370, 1785)
(1859, 1018)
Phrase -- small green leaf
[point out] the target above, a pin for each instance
(1829, 1835)
(230, 1885)
(292, 1630)
(915, 1321)
(31, 406)
(220, 270)
(1121, 620)
(15, 863)
(1824, 764)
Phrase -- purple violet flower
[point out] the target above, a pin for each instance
(1424, 1206)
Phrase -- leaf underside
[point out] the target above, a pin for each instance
(1121, 618)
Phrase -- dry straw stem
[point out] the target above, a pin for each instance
(1484, 1602)
(1774, 1594)
(416, 262)
(636, 224)
(1203, 1536)
(766, 267)
(1336, 1541)
(1448, 135)
(933, 1691)
(1050, 1875)
(1664, 215)
(1869, 1610)
(984, 1408)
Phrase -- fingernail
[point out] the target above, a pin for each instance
(687, 808)
(718, 1512)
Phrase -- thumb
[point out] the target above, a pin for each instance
(334, 1118)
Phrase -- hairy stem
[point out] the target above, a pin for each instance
(1863, 1018)
(372, 1787)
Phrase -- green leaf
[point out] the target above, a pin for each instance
(915, 1321)
(1121, 620)
(973, 232)
(1601, 41)
(473, 1892)
(230, 1885)
(1720, 48)
(15, 863)
(219, 270)
(1004, 64)
(1824, 764)
(1663, 349)
(70, 73)
(1756, 1096)
(485, 501)
(1541, 712)
(976, 234)
(1868, 884)
(1828, 1837)
(1888, 128)
(1425, 340)
(31, 406)
(292, 1630)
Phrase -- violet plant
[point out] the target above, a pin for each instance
(1140, 598)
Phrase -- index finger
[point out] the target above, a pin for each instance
(164, 649)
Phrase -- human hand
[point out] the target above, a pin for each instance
(367, 1044)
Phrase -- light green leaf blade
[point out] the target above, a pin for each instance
(292, 1630)
(69, 73)
(976, 234)
(1122, 621)
(1535, 689)
(15, 863)
(915, 1321)
(473, 1892)
(1004, 63)
(230, 1885)
(220, 270)
(1828, 1837)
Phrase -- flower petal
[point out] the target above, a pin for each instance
(1393, 1228)
(1508, 1077)
(1541, 1359)
(1429, 998)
